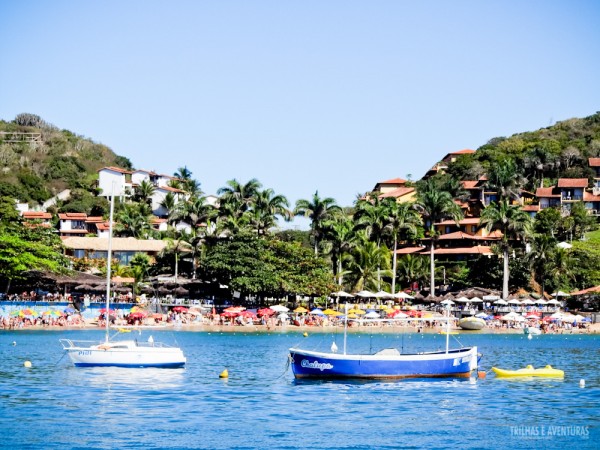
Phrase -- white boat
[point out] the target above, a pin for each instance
(121, 353)
(471, 323)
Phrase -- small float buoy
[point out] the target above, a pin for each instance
(529, 336)
(305, 334)
(224, 374)
(481, 374)
(14, 343)
(27, 364)
(582, 383)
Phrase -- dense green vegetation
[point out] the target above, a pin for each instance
(238, 243)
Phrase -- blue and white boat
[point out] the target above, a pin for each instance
(388, 363)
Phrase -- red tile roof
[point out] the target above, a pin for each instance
(466, 151)
(170, 189)
(469, 184)
(115, 169)
(408, 250)
(32, 215)
(72, 216)
(393, 181)
(94, 219)
(74, 231)
(477, 250)
(545, 192)
(594, 162)
(572, 182)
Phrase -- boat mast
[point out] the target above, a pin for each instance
(345, 325)
(448, 328)
(109, 259)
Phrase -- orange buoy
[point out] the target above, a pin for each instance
(481, 374)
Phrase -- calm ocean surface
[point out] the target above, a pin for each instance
(55, 405)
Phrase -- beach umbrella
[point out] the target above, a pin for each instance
(514, 301)
(462, 299)
(69, 310)
(481, 315)
(181, 309)
(283, 316)
(138, 315)
(553, 302)
(476, 300)
(500, 302)
(84, 287)
(541, 301)
(248, 314)
(403, 295)
(383, 294)
(228, 314)
(301, 309)
(527, 301)
(280, 308)
(448, 302)
(365, 294)
(317, 312)
(372, 315)
(330, 312)
(265, 312)
(234, 309)
(17, 313)
(341, 294)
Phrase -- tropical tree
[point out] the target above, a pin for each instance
(134, 220)
(340, 232)
(169, 203)
(318, 210)
(143, 192)
(412, 268)
(435, 205)
(505, 178)
(401, 220)
(236, 197)
(539, 258)
(177, 245)
(512, 222)
(367, 264)
(265, 209)
(194, 212)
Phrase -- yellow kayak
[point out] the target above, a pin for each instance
(529, 371)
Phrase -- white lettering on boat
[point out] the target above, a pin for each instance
(316, 365)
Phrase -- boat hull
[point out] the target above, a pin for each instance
(127, 355)
(454, 364)
(471, 323)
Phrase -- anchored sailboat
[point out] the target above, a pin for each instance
(121, 353)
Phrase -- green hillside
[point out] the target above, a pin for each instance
(39, 160)
(559, 151)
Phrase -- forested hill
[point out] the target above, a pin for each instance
(38, 160)
(558, 151)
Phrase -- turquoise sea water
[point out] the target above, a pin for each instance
(55, 405)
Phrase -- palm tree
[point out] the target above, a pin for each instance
(194, 212)
(183, 174)
(412, 268)
(176, 244)
(143, 192)
(169, 203)
(367, 263)
(318, 210)
(435, 205)
(238, 195)
(506, 179)
(512, 222)
(134, 220)
(341, 233)
(542, 249)
(401, 219)
(265, 209)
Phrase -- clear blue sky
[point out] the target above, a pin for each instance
(331, 96)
